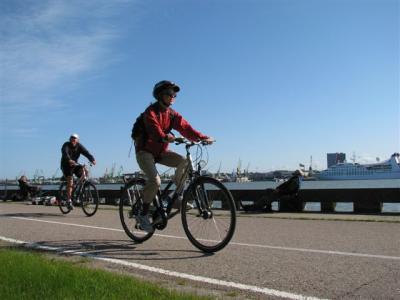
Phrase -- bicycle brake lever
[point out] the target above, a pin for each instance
(179, 140)
(205, 142)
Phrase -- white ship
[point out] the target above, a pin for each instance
(389, 169)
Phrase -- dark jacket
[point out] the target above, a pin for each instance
(70, 152)
(291, 186)
(158, 123)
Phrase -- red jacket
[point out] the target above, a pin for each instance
(158, 122)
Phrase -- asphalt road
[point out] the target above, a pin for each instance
(268, 258)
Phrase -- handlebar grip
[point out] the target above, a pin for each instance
(179, 140)
(204, 142)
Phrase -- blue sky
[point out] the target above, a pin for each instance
(274, 81)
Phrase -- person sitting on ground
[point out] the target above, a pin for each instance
(292, 185)
(287, 188)
(71, 151)
(26, 189)
(262, 204)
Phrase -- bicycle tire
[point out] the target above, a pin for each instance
(62, 198)
(130, 204)
(89, 199)
(204, 225)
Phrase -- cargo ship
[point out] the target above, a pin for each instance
(388, 169)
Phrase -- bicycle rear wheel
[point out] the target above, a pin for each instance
(211, 223)
(130, 206)
(62, 198)
(89, 199)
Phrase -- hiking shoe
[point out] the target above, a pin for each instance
(144, 223)
(70, 206)
(157, 220)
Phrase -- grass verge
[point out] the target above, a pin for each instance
(26, 275)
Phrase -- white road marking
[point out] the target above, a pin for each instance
(229, 284)
(321, 251)
(69, 224)
(234, 243)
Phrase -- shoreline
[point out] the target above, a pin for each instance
(310, 215)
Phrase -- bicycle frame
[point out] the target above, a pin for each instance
(77, 187)
(190, 173)
(84, 193)
(206, 230)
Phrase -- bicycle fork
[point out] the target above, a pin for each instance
(202, 202)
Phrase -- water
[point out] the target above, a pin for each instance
(260, 185)
(348, 207)
(320, 184)
(345, 207)
(310, 206)
(333, 184)
(391, 208)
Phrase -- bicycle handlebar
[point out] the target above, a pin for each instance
(182, 140)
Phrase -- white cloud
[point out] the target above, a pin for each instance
(23, 132)
(48, 45)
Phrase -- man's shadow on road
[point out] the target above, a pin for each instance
(30, 215)
(120, 249)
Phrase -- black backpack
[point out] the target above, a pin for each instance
(139, 129)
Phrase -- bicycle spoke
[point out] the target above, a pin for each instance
(216, 227)
(89, 199)
(129, 206)
(62, 198)
(211, 224)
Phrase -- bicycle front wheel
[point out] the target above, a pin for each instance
(211, 222)
(62, 198)
(130, 206)
(89, 199)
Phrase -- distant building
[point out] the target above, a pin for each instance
(335, 158)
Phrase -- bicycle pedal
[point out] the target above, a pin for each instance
(158, 220)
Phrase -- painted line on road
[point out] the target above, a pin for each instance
(94, 227)
(330, 252)
(320, 251)
(228, 284)
(69, 224)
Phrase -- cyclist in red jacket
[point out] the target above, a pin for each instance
(152, 146)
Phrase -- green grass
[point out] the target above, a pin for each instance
(26, 275)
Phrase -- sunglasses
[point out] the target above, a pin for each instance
(172, 95)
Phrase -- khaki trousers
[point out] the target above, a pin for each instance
(147, 163)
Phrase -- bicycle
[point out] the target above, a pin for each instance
(84, 194)
(208, 211)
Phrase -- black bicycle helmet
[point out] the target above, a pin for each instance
(162, 86)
